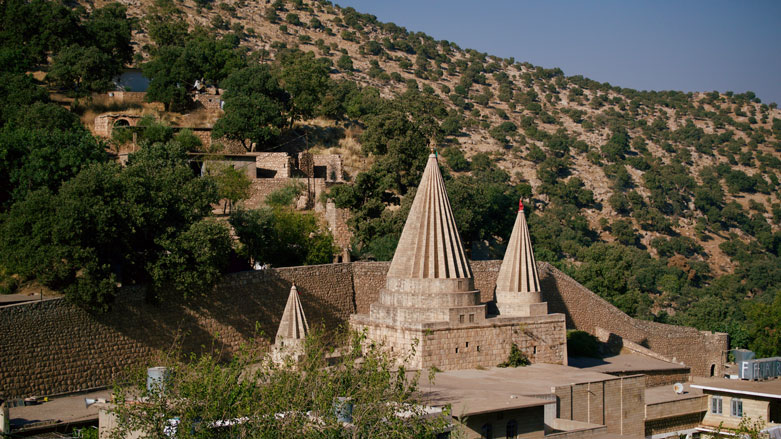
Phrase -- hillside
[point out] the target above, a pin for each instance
(611, 175)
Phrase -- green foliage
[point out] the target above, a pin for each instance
(306, 79)
(286, 196)
(624, 232)
(33, 158)
(617, 146)
(282, 237)
(110, 225)
(83, 70)
(455, 159)
(176, 66)
(763, 326)
(582, 344)
(516, 358)
(254, 107)
(205, 391)
(233, 185)
(345, 63)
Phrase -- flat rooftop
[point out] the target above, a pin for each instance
(627, 363)
(58, 411)
(660, 394)
(766, 389)
(477, 391)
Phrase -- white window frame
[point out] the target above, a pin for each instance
(737, 407)
(716, 405)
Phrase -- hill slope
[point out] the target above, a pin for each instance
(613, 174)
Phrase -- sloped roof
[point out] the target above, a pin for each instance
(518, 272)
(430, 246)
(293, 324)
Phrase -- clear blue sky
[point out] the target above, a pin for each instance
(652, 45)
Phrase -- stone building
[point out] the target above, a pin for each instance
(430, 310)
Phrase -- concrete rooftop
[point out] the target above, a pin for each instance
(477, 391)
(58, 411)
(768, 389)
(659, 394)
(626, 363)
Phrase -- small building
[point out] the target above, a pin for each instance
(730, 401)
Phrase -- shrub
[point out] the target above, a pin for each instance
(516, 358)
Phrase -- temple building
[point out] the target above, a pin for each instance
(429, 311)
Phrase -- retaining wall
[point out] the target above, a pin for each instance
(53, 347)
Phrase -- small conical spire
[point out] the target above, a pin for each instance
(430, 246)
(293, 325)
(519, 270)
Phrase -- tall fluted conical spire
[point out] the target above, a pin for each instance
(429, 247)
(519, 270)
(293, 325)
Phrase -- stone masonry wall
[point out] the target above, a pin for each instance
(587, 311)
(53, 347)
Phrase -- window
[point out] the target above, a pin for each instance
(512, 429)
(715, 404)
(487, 431)
(737, 407)
(461, 318)
(471, 318)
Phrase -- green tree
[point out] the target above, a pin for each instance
(110, 225)
(192, 261)
(282, 237)
(109, 30)
(38, 27)
(306, 79)
(83, 70)
(31, 159)
(764, 330)
(254, 107)
(233, 186)
(345, 63)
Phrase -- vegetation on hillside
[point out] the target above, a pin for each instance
(664, 203)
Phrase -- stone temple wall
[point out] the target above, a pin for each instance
(53, 347)
(468, 346)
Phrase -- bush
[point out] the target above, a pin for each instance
(345, 63)
(582, 344)
(516, 358)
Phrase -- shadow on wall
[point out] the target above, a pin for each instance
(219, 322)
(52, 347)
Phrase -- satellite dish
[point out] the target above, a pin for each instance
(678, 388)
(89, 401)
